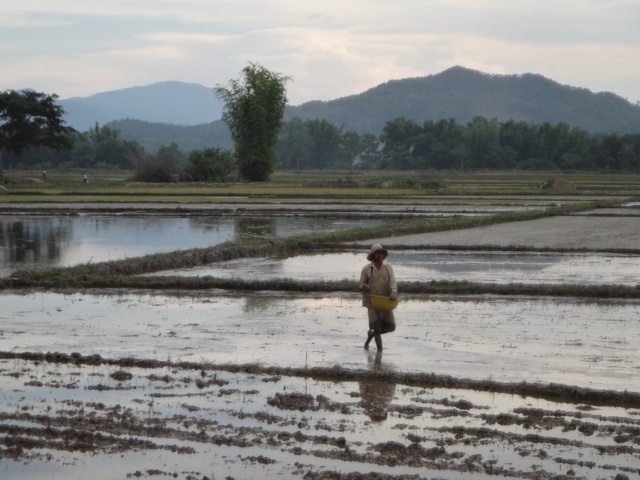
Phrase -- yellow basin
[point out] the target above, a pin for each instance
(383, 303)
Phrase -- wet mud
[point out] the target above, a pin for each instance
(73, 414)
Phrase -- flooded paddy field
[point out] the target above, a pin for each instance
(426, 265)
(243, 406)
(61, 241)
(585, 343)
(106, 422)
(216, 384)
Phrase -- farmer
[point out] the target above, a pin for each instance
(377, 278)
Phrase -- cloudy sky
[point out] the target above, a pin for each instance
(330, 48)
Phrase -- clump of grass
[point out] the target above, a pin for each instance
(331, 183)
(121, 375)
(418, 289)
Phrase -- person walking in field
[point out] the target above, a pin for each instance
(377, 278)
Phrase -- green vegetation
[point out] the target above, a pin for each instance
(481, 145)
(489, 144)
(421, 124)
(31, 119)
(332, 186)
(254, 107)
(211, 165)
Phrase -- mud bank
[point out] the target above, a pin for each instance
(577, 231)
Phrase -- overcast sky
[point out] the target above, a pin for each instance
(330, 48)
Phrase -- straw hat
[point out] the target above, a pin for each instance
(374, 248)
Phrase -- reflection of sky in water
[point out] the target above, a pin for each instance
(587, 344)
(498, 267)
(512, 339)
(28, 242)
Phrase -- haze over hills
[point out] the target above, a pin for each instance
(189, 114)
(170, 102)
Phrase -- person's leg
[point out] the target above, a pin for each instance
(387, 322)
(370, 334)
(378, 338)
(373, 325)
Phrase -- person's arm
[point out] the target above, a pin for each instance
(393, 284)
(364, 279)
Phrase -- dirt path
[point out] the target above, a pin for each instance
(591, 232)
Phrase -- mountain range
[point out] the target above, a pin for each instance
(189, 114)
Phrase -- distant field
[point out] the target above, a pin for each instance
(347, 187)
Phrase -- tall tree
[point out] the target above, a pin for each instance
(254, 106)
(31, 119)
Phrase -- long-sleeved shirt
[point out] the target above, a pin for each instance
(381, 282)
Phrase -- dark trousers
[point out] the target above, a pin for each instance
(381, 321)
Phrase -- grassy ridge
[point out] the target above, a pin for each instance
(67, 186)
(417, 289)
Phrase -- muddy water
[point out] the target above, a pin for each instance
(70, 422)
(483, 267)
(28, 241)
(186, 424)
(588, 344)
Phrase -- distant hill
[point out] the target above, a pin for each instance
(165, 102)
(154, 135)
(463, 94)
(188, 114)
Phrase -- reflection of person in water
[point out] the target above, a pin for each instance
(377, 391)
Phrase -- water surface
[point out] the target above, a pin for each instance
(38, 242)
(424, 266)
(590, 344)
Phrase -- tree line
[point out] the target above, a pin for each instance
(33, 135)
(446, 145)
(319, 144)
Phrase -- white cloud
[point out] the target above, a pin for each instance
(331, 49)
